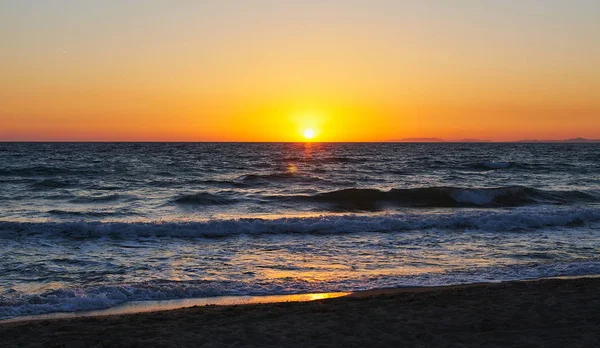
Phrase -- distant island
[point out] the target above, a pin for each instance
(572, 140)
(472, 141)
(438, 140)
(418, 140)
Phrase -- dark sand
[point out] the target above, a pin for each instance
(545, 313)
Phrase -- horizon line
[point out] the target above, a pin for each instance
(572, 140)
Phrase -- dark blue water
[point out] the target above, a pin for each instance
(85, 226)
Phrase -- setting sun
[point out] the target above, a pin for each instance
(309, 133)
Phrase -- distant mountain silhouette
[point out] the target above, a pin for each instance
(571, 140)
(419, 140)
(472, 141)
(469, 140)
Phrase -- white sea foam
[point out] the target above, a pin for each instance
(100, 297)
(486, 220)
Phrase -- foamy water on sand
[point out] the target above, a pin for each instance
(94, 226)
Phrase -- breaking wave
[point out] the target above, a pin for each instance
(512, 196)
(502, 221)
(15, 304)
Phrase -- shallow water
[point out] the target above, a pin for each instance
(91, 226)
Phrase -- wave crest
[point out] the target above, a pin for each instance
(99, 199)
(17, 304)
(524, 219)
(512, 196)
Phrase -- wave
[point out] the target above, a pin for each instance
(493, 165)
(99, 199)
(192, 182)
(43, 171)
(50, 184)
(85, 214)
(16, 304)
(511, 196)
(258, 179)
(204, 198)
(499, 165)
(105, 296)
(517, 220)
(216, 183)
(526, 166)
(325, 159)
(342, 159)
(105, 187)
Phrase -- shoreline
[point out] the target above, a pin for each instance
(153, 306)
(545, 312)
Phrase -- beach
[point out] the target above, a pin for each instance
(548, 313)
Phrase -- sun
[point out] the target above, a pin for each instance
(309, 133)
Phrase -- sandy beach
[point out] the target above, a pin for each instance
(548, 313)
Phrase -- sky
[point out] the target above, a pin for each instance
(269, 70)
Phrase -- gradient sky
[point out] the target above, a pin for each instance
(265, 70)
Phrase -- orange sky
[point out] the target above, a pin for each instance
(265, 70)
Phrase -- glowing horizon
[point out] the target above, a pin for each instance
(266, 70)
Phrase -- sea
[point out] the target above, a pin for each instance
(87, 226)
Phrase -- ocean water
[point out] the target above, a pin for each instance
(93, 225)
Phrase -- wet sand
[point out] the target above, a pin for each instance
(544, 313)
